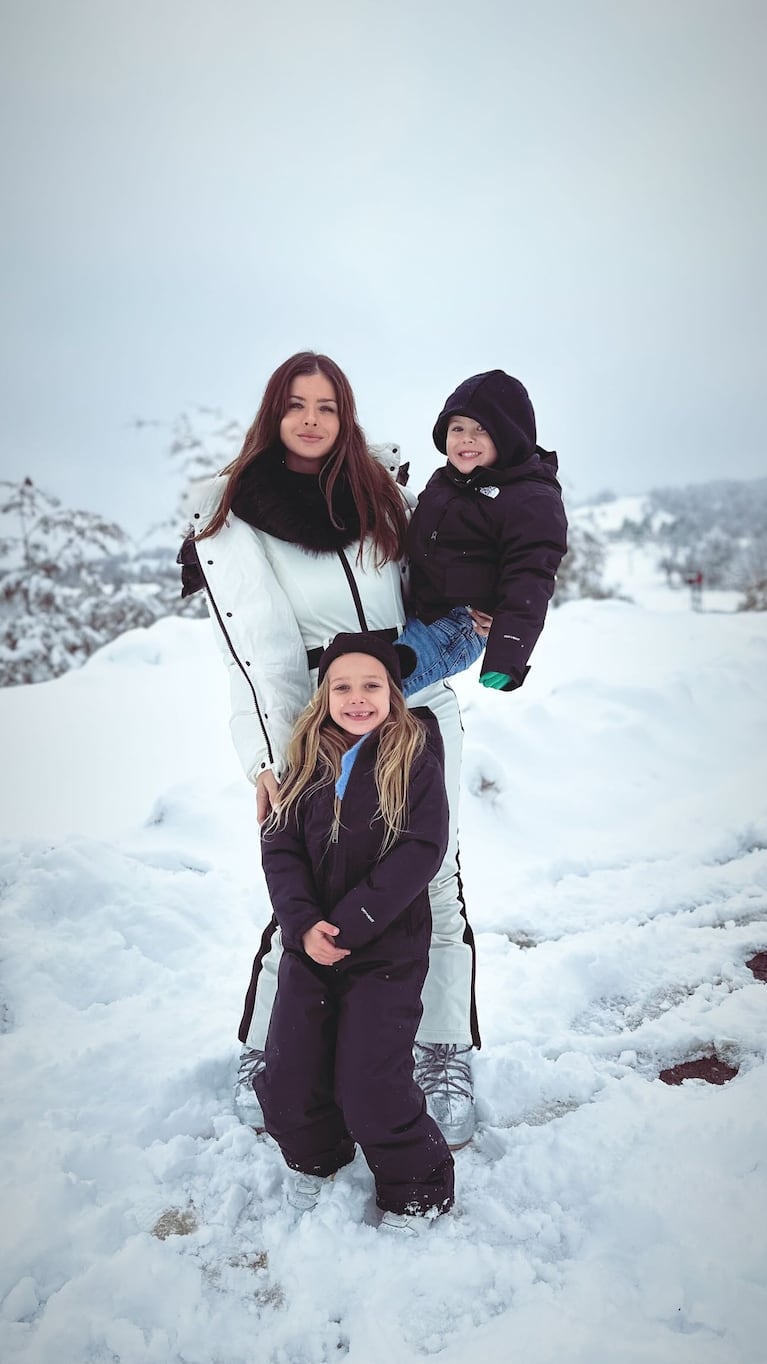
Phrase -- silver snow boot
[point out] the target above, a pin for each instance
(443, 1072)
(246, 1104)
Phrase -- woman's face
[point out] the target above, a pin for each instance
(310, 427)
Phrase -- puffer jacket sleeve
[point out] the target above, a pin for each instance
(367, 910)
(260, 642)
(290, 881)
(532, 540)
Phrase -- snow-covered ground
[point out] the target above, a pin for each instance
(614, 832)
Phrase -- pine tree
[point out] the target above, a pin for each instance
(203, 441)
(56, 603)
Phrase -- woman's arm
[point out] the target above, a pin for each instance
(261, 645)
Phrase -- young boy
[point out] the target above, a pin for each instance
(490, 529)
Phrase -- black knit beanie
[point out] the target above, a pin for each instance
(500, 404)
(399, 660)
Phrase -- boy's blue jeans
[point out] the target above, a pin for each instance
(448, 646)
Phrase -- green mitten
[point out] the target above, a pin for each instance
(495, 680)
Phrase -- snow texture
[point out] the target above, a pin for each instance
(614, 835)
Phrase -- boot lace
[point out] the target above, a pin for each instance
(252, 1062)
(440, 1066)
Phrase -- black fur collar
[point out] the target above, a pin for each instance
(292, 506)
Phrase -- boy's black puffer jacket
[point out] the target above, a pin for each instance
(493, 541)
(311, 879)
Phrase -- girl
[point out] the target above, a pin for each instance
(360, 827)
(301, 537)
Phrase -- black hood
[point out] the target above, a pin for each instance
(499, 403)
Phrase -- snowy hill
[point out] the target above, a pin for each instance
(715, 532)
(613, 516)
(635, 532)
(614, 843)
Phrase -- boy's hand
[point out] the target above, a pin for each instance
(495, 680)
(318, 944)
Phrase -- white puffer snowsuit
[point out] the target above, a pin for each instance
(270, 601)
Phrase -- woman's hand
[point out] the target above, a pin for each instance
(266, 795)
(482, 622)
(318, 944)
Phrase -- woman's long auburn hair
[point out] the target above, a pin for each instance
(314, 760)
(376, 497)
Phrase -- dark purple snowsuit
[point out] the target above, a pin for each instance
(339, 1053)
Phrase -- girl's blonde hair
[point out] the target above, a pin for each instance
(314, 760)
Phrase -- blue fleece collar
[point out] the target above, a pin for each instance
(347, 763)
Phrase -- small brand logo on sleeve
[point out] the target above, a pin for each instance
(367, 916)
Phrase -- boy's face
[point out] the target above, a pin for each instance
(468, 445)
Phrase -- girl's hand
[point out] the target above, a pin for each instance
(318, 944)
(266, 795)
(482, 622)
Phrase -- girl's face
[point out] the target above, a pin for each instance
(310, 426)
(360, 697)
(468, 445)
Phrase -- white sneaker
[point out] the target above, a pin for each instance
(443, 1072)
(404, 1223)
(304, 1190)
(246, 1104)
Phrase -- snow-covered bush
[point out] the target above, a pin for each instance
(751, 576)
(71, 581)
(60, 595)
(581, 573)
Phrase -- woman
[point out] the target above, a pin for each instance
(302, 537)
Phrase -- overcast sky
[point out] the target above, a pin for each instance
(573, 192)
